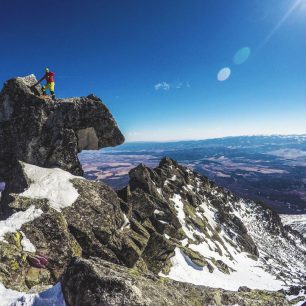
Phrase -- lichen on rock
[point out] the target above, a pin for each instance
(96, 282)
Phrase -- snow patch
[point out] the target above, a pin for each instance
(50, 297)
(126, 223)
(15, 221)
(184, 242)
(247, 274)
(51, 184)
(26, 244)
(179, 207)
(157, 212)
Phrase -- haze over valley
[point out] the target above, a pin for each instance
(271, 169)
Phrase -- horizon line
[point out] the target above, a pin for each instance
(212, 138)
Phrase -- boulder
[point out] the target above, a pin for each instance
(95, 282)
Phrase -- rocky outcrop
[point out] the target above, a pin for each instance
(209, 228)
(95, 282)
(62, 216)
(37, 130)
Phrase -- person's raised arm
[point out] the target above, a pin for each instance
(40, 80)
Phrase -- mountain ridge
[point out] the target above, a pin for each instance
(167, 223)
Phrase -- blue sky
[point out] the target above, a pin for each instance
(155, 63)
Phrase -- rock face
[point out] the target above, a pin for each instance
(42, 132)
(62, 216)
(211, 231)
(95, 282)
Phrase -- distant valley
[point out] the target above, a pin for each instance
(271, 169)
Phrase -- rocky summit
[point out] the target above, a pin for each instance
(47, 133)
(170, 237)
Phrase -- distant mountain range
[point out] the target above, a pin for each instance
(271, 169)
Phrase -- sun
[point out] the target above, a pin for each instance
(297, 6)
(303, 6)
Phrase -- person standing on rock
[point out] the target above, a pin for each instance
(49, 77)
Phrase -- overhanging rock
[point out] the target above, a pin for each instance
(47, 133)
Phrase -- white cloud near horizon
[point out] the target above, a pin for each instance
(167, 86)
(162, 86)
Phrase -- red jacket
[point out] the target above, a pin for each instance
(49, 77)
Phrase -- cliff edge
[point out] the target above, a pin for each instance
(37, 130)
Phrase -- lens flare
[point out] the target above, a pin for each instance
(224, 74)
(242, 55)
(295, 5)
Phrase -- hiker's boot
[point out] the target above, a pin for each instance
(53, 95)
